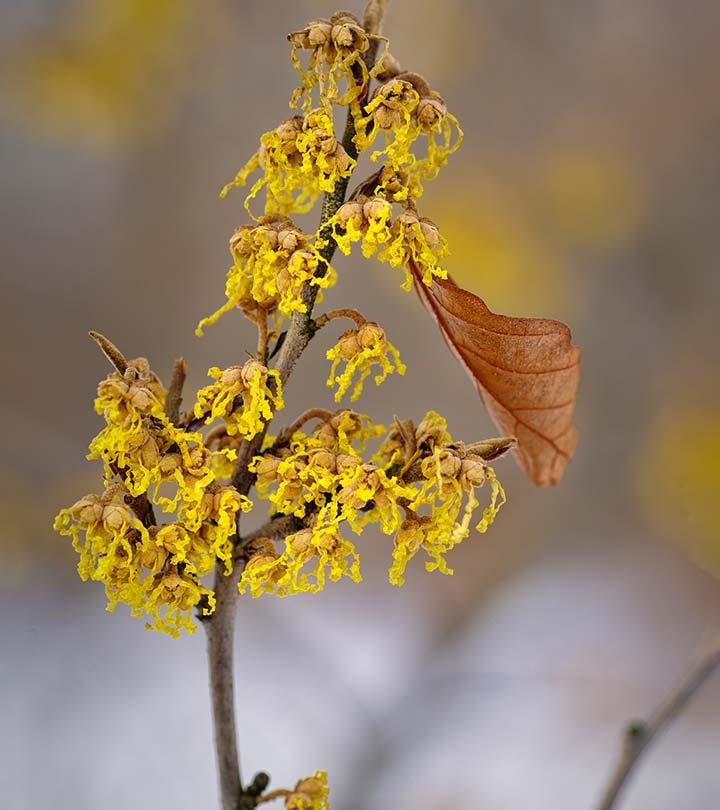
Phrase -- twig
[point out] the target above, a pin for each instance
(275, 529)
(287, 433)
(262, 326)
(175, 391)
(352, 314)
(281, 793)
(111, 351)
(639, 735)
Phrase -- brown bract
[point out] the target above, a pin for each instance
(525, 369)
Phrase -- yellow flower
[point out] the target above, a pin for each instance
(337, 47)
(141, 567)
(418, 240)
(310, 471)
(373, 496)
(391, 110)
(131, 404)
(405, 108)
(301, 568)
(406, 239)
(310, 793)
(448, 482)
(242, 397)
(364, 219)
(263, 571)
(171, 597)
(300, 159)
(101, 527)
(272, 262)
(361, 349)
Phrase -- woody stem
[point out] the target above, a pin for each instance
(220, 626)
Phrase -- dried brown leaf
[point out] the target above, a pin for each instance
(526, 371)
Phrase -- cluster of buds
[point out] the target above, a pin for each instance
(141, 564)
(337, 47)
(154, 571)
(405, 107)
(361, 349)
(299, 159)
(364, 218)
(138, 433)
(244, 397)
(272, 260)
(398, 241)
(415, 240)
(125, 398)
(448, 473)
(310, 556)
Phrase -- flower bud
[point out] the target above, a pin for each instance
(370, 334)
(430, 111)
(430, 232)
(88, 510)
(241, 242)
(450, 465)
(312, 786)
(351, 211)
(252, 370)
(324, 458)
(318, 33)
(267, 468)
(139, 398)
(283, 280)
(376, 208)
(231, 377)
(408, 218)
(289, 239)
(169, 463)
(349, 345)
(387, 117)
(115, 516)
(300, 542)
(290, 128)
(262, 546)
(152, 556)
(346, 462)
(473, 472)
(149, 453)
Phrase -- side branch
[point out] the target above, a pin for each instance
(639, 735)
(175, 391)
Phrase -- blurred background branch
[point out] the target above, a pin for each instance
(639, 735)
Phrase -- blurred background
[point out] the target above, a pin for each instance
(587, 189)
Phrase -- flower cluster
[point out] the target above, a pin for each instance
(154, 569)
(419, 486)
(397, 241)
(361, 349)
(272, 261)
(337, 47)
(242, 396)
(299, 160)
(404, 108)
(448, 474)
